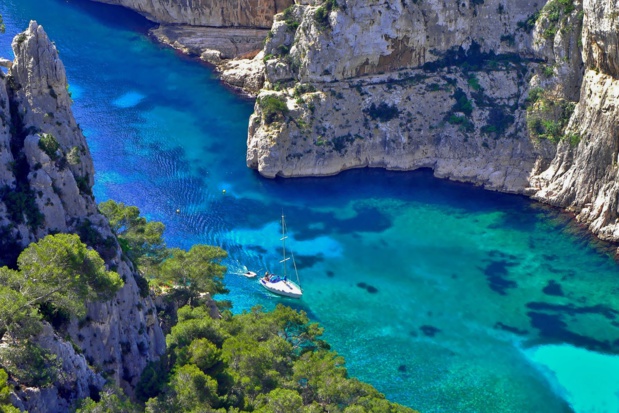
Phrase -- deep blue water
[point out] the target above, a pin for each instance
(445, 297)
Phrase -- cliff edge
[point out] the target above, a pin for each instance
(514, 96)
(216, 31)
(46, 178)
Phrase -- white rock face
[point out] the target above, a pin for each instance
(341, 127)
(244, 74)
(120, 336)
(77, 380)
(364, 38)
(400, 85)
(585, 178)
(7, 178)
(329, 65)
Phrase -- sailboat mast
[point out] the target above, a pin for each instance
(284, 244)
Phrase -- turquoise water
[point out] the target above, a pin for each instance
(445, 297)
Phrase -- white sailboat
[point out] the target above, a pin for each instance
(281, 285)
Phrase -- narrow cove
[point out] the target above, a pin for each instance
(444, 296)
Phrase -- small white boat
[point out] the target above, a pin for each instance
(281, 285)
(249, 274)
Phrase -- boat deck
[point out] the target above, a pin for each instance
(281, 287)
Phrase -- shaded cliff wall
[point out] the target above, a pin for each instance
(46, 178)
(585, 177)
(210, 13)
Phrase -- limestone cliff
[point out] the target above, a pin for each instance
(584, 176)
(46, 178)
(515, 96)
(214, 30)
(207, 13)
(401, 85)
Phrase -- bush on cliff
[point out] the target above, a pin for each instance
(273, 109)
(57, 274)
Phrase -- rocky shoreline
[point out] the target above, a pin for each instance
(515, 97)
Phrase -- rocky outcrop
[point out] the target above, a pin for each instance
(502, 94)
(400, 85)
(77, 379)
(46, 183)
(209, 13)
(584, 175)
(212, 44)
(383, 122)
(244, 74)
(212, 29)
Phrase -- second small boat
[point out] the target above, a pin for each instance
(281, 285)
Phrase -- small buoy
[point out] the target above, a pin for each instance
(224, 191)
(178, 211)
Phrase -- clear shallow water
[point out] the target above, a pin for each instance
(445, 297)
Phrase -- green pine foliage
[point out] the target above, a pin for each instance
(5, 390)
(57, 274)
(141, 241)
(267, 362)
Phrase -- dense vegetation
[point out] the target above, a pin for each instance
(273, 109)
(181, 276)
(267, 362)
(56, 275)
(548, 117)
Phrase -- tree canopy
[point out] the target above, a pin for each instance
(187, 275)
(56, 274)
(193, 272)
(266, 362)
(141, 240)
(5, 404)
(58, 270)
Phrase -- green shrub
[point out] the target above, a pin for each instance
(547, 117)
(83, 185)
(463, 104)
(509, 39)
(31, 364)
(474, 83)
(321, 17)
(290, 20)
(273, 109)
(535, 94)
(464, 124)
(21, 38)
(548, 70)
(529, 24)
(302, 88)
(22, 202)
(555, 12)
(498, 122)
(49, 145)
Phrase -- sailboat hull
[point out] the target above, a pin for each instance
(284, 288)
